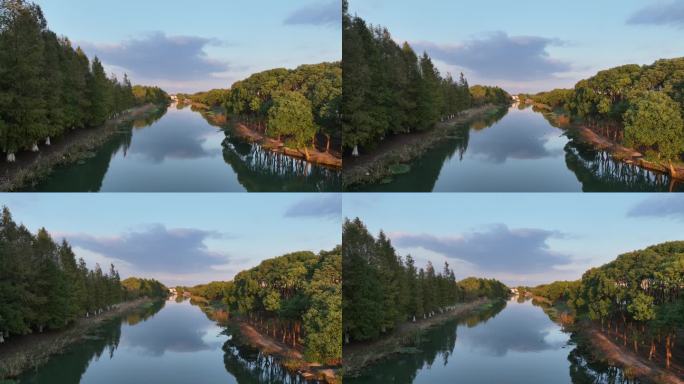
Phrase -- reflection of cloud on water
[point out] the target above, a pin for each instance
(520, 328)
(175, 329)
(516, 139)
(175, 141)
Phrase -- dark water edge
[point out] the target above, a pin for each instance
(178, 150)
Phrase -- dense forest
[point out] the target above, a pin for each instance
(640, 106)
(382, 289)
(295, 298)
(297, 106)
(389, 89)
(48, 88)
(637, 297)
(43, 286)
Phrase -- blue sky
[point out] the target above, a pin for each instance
(192, 46)
(183, 238)
(532, 45)
(520, 238)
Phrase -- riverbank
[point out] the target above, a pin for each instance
(218, 118)
(393, 154)
(30, 351)
(403, 340)
(625, 154)
(616, 150)
(30, 167)
(635, 365)
(291, 358)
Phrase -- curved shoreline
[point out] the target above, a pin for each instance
(30, 168)
(31, 351)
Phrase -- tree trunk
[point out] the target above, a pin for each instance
(47, 141)
(11, 158)
(652, 351)
(35, 148)
(306, 153)
(327, 144)
(668, 351)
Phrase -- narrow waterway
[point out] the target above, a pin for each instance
(165, 342)
(519, 150)
(177, 150)
(514, 342)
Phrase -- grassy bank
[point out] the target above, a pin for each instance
(404, 339)
(393, 155)
(76, 146)
(22, 353)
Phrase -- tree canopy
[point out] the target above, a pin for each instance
(42, 285)
(295, 298)
(381, 289)
(389, 89)
(47, 87)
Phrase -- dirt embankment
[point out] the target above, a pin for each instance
(21, 353)
(292, 358)
(627, 155)
(637, 366)
(326, 159)
(374, 166)
(73, 146)
(359, 355)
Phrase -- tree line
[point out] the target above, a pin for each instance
(300, 106)
(639, 106)
(48, 88)
(43, 286)
(381, 289)
(295, 298)
(389, 89)
(637, 297)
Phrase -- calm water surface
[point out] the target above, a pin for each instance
(514, 342)
(177, 150)
(168, 342)
(519, 150)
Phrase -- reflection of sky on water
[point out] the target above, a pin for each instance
(177, 328)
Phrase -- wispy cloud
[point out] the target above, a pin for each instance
(328, 13)
(156, 56)
(328, 206)
(498, 56)
(498, 248)
(670, 206)
(669, 13)
(156, 248)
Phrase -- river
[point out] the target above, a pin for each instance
(169, 342)
(519, 150)
(513, 342)
(178, 150)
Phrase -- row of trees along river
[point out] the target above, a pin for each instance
(43, 286)
(636, 298)
(300, 106)
(48, 88)
(389, 90)
(295, 299)
(382, 290)
(641, 107)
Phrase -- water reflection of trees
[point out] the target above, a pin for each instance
(261, 170)
(599, 172)
(436, 346)
(249, 366)
(586, 370)
(70, 366)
